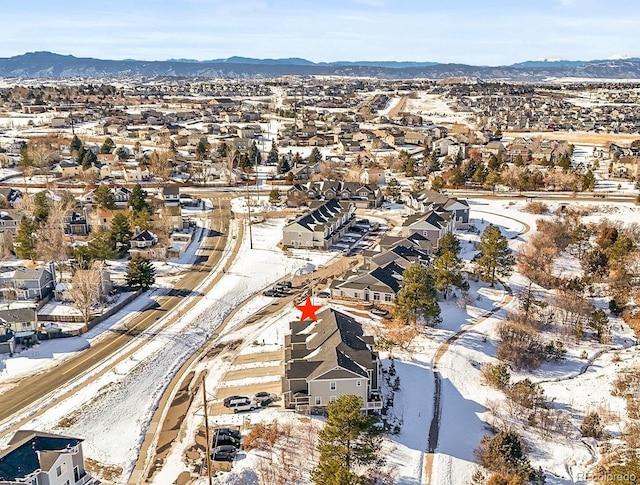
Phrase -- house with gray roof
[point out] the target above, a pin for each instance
(36, 457)
(321, 227)
(428, 200)
(432, 225)
(33, 283)
(379, 285)
(23, 322)
(327, 359)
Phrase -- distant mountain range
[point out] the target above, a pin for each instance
(50, 65)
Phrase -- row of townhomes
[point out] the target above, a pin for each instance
(322, 226)
(329, 358)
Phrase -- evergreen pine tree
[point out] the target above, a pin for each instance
(138, 199)
(349, 441)
(283, 165)
(24, 244)
(100, 247)
(140, 273)
(274, 156)
(417, 298)
(76, 144)
(120, 233)
(108, 146)
(495, 258)
(315, 156)
(41, 203)
(103, 197)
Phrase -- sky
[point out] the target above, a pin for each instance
(479, 32)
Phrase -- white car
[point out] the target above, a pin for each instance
(246, 405)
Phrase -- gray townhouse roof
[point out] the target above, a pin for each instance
(29, 273)
(431, 217)
(414, 240)
(171, 190)
(387, 276)
(321, 215)
(145, 235)
(18, 315)
(410, 254)
(30, 451)
(335, 343)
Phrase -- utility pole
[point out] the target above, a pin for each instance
(206, 429)
(249, 212)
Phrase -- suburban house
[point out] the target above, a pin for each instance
(171, 195)
(67, 169)
(35, 457)
(427, 200)
(379, 285)
(7, 340)
(364, 196)
(23, 322)
(76, 224)
(327, 359)
(10, 196)
(28, 283)
(415, 240)
(321, 227)
(145, 243)
(432, 225)
(9, 222)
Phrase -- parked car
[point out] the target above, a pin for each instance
(228, 400)
(286, 284)
(272, 292)
(224, 453)
(245, 405)
(228, 431)
(261, 397)
(380, 312)
(323, 294)
(223, 440)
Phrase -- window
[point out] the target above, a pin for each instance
(318, 400)
(332, 399)
(358, 383)
(59, 471)
(376, 297)
(387, 297)
(356, 295)
(332, 386)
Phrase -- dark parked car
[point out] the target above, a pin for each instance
(224, 453)
(272, 292)
(228, 431)
(224, 440)
(323, 294)
(286, 284)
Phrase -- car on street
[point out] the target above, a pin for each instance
(224, 453)
(272, 292)
(323, 294)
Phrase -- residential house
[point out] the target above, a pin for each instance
(67, 169)
(415, 240)
(7, 340)
(171, 195)
(375, 176)
(9, 222)
(321, 227)
(10, 196)
(379, 285)
(23, 322)
(432, 225)
(427, 200)
(362, 195)
(35, 457)
(494, 148)
(327, 359)
(76, 224)
(33, 283)
(145, 243)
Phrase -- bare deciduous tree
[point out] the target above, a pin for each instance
(85, 291)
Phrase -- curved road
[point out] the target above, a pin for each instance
(434, 427)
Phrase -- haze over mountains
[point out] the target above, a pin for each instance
(51, 65)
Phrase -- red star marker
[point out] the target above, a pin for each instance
(308, 310)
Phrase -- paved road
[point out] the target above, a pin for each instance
(32, 389)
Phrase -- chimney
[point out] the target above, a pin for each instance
(137, 230)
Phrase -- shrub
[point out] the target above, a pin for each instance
(520, 346)
(591, 426)
(262, 436)
(505, 479)
(504, 454)
(536, 207)
(527, 394)
(496, 375)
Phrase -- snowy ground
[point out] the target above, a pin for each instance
(124, 398)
